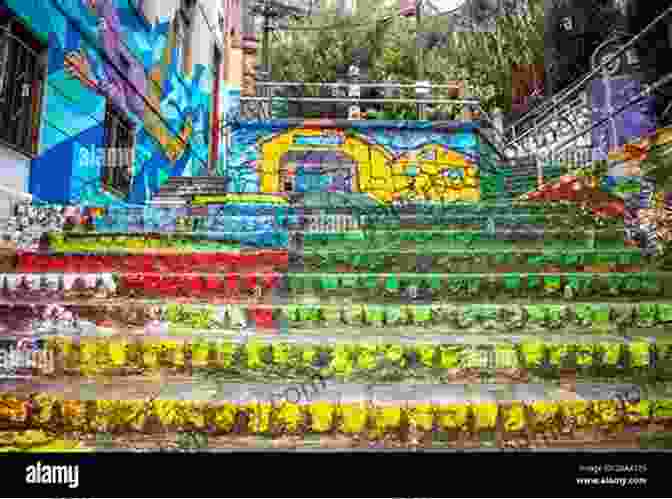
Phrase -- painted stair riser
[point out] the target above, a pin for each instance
(221, 242)
(368, 420)
(465, 237)
(443, 318)
(409, 260)
(588, 286)
(206, 262)
(80, 213)
(359, 318)
(355, 287)
(382, 362)
(208, 241)
(90, 285)
(438, 261)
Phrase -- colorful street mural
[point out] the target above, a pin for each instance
(384, 161)
(609, 95)
(106, 49)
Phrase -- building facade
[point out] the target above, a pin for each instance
(104, 100)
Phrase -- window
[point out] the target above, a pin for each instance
(119, 143)
(22, 72)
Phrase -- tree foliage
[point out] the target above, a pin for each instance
(484, 60)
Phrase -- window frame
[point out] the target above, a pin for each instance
(115, 119)
(24, 53)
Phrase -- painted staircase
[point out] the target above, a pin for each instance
(179, 190)
(468, 326)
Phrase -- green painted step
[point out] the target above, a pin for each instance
(439, 260)
(441, 317)
(365, 286)
(459, 239)
(428, 207)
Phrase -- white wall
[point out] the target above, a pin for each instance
(166, 9)
(202, 37)
(14, 170)
(151, 10)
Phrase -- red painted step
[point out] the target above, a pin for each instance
(148, 262)
(198, 285)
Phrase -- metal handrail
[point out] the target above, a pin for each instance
(363, 85)
(355, 100)
(556, 100)
(544, 121)
(642, 95)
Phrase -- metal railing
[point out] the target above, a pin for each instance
(21, 89)
(365, 101)
(280, 84)
(529, 120)
(261, 105)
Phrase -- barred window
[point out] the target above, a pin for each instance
(119, 143)
(22, 72)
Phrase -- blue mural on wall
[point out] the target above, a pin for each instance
(102, 51)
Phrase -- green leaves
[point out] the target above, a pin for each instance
(665, 312)
(646, 315)
(199, 318)
(512, 281)
(392, 283)
(601, 314)
(536, 314)
(329, 282)
(486, 60)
